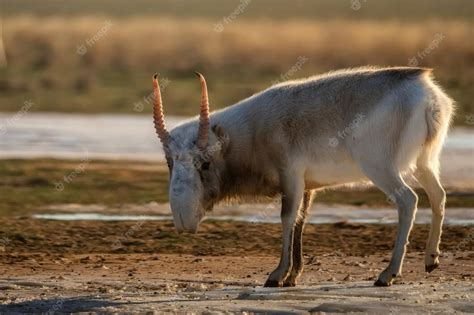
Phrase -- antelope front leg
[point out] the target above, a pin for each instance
(298, 263)
(293, 190)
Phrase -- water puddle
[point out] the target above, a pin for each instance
(330, 215)
(76, 135)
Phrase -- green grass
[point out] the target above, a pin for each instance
(28, 185)
(128, 92)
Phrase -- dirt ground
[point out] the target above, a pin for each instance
(54, 266)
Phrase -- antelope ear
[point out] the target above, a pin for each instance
(221, 136)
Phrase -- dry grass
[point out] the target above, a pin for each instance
(175, 44)
(246, 55)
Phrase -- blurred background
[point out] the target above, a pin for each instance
(93, 56)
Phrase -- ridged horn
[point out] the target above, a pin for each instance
(158, 115)
(204, 121)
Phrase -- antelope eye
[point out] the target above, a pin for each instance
(205, 166)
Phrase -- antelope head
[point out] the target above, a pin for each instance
(194, 152)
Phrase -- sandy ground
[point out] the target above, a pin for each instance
(54, 266)
(172, 282)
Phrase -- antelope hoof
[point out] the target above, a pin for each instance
(289, 283)
(382, 283)
(385, 279)
(430, 268)
(431, 262)
(271, 283)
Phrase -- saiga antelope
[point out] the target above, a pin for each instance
(357, 125)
